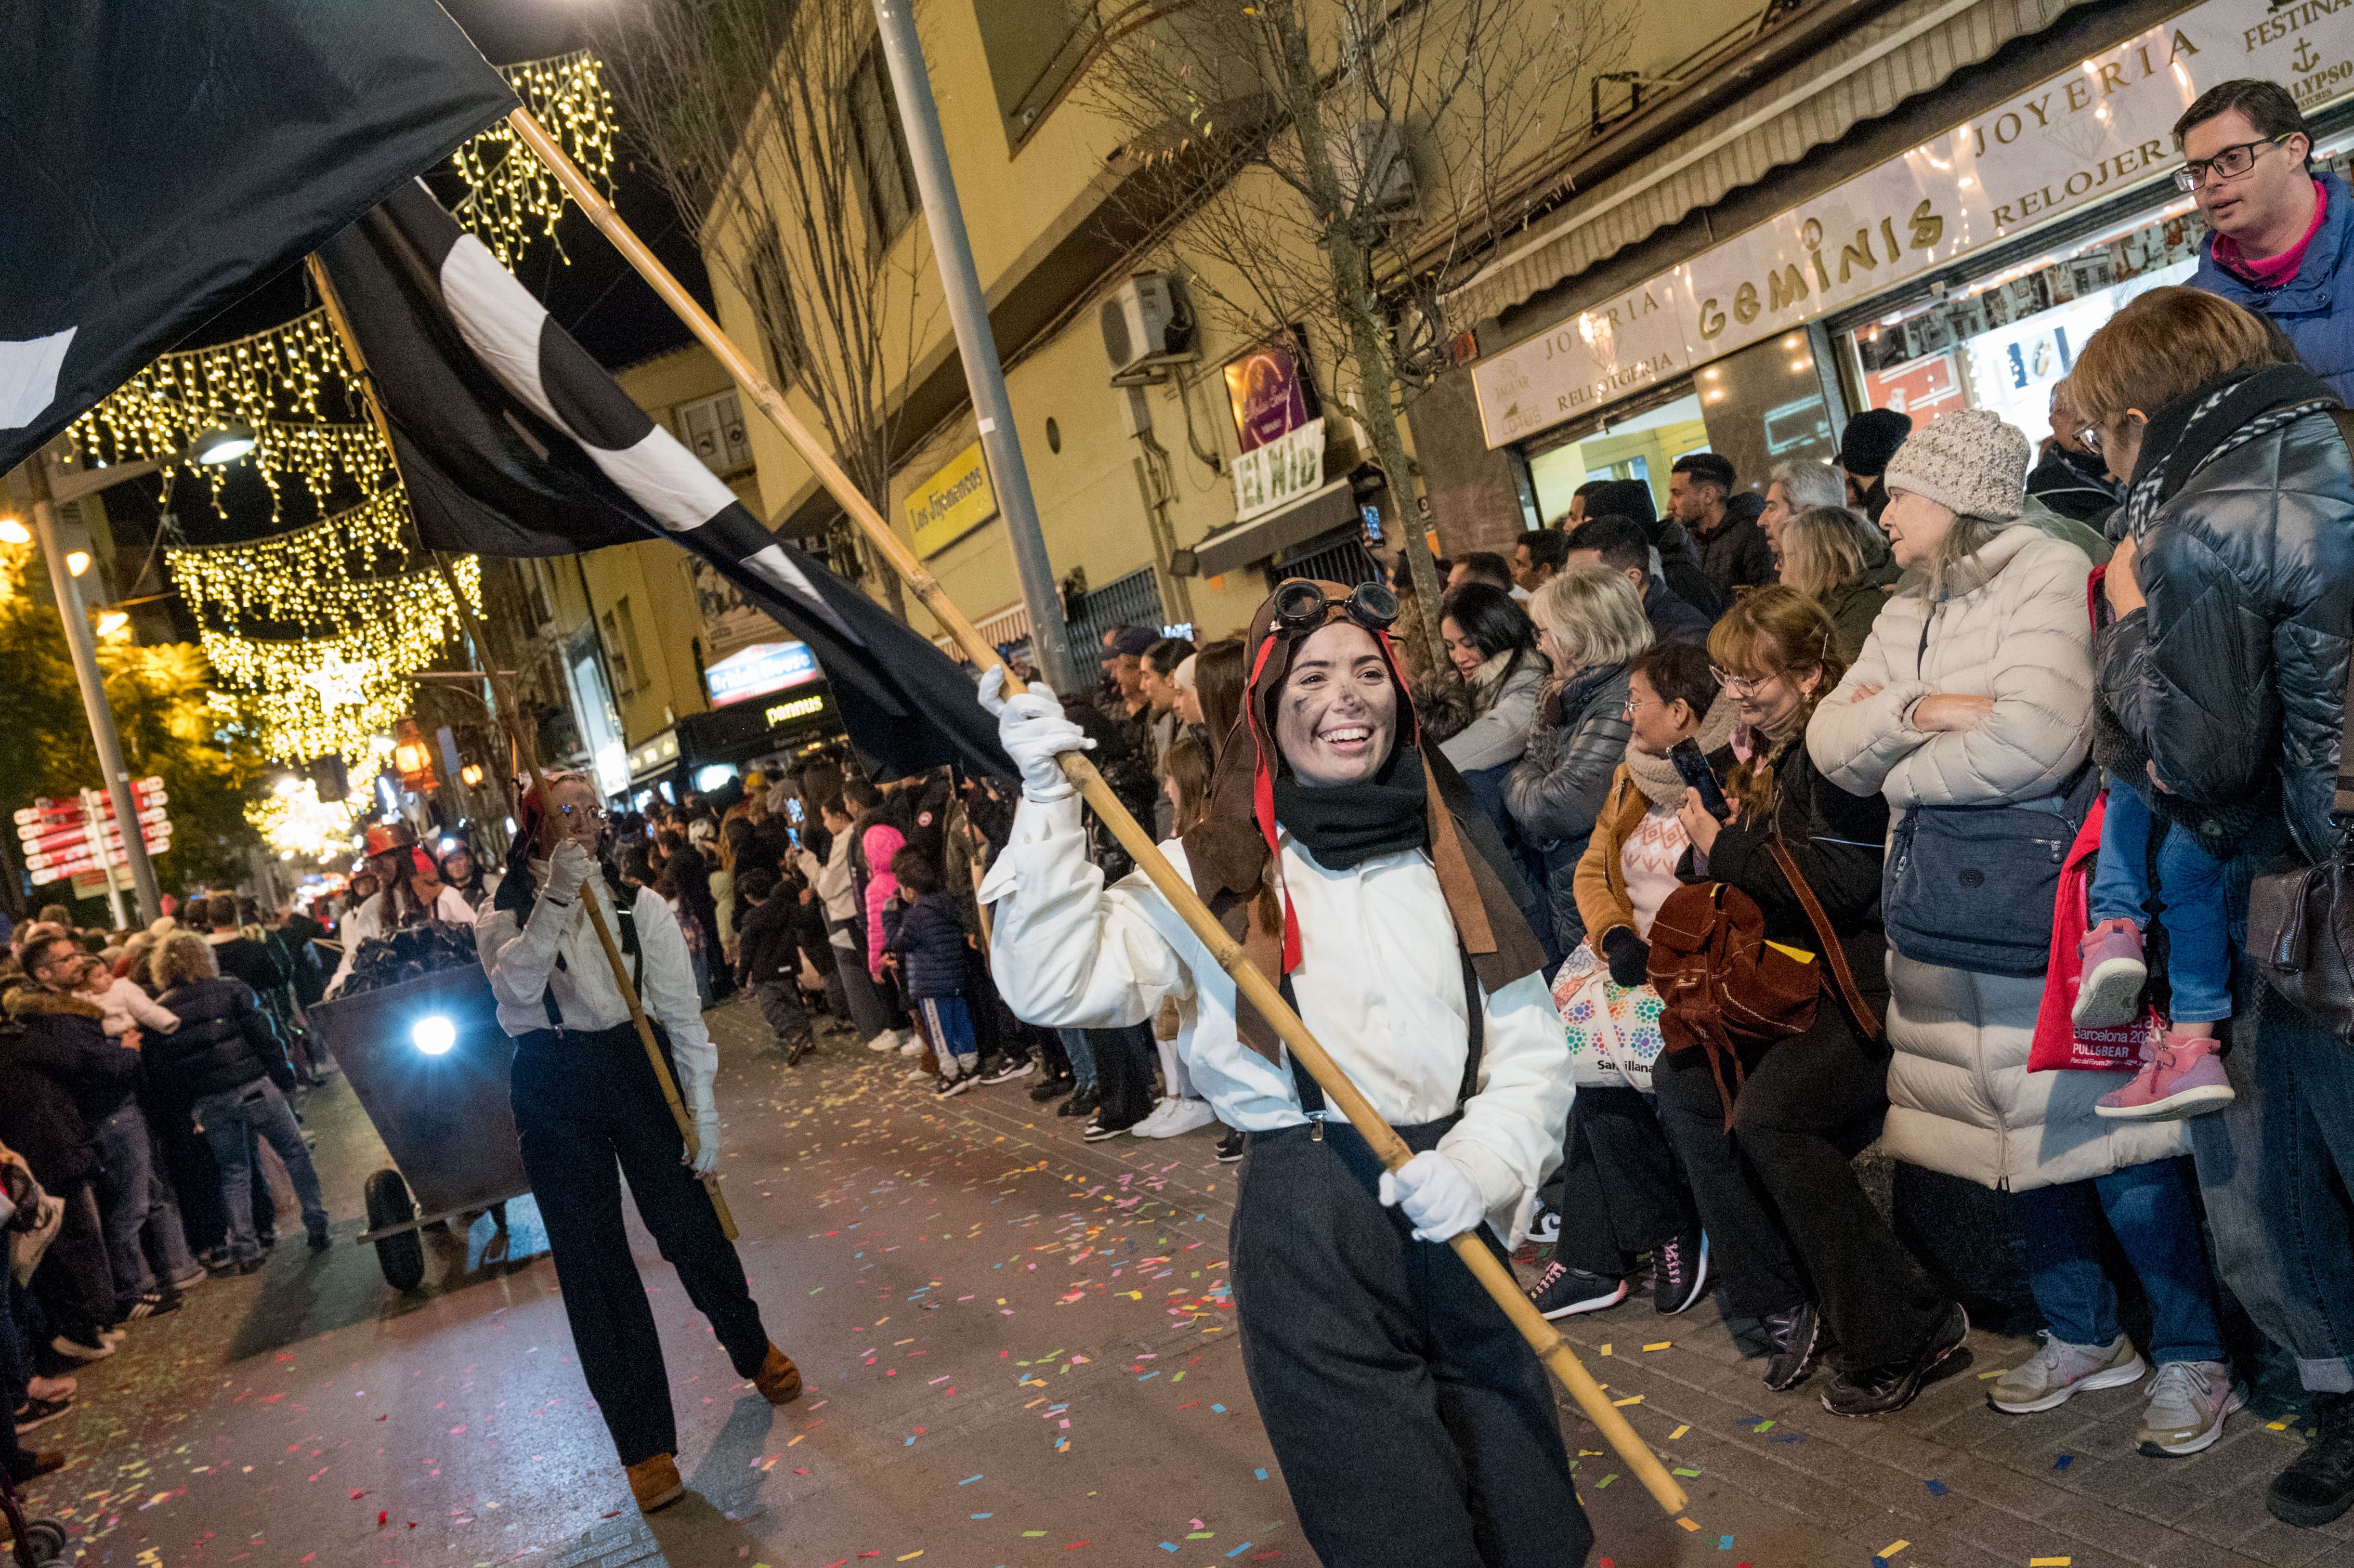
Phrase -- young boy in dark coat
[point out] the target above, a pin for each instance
(924, 938)
(769, 962)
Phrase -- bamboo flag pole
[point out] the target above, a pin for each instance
(507, 716)
(1492, 1274)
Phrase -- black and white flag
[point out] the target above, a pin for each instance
(158, 159)
(512, 442)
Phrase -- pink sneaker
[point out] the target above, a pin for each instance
(2180, 1077)
(2108, 996)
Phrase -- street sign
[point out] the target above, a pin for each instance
(80, 838)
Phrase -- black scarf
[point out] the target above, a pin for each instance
(1345, 825)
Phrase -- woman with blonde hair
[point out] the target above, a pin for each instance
(1791, 1231)
(1823, 555)
(1591, 626)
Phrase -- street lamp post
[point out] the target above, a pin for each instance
(903, 51)
(84, 644)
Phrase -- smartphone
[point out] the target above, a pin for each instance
(1692, 767)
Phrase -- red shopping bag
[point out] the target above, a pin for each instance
(2059, 1045)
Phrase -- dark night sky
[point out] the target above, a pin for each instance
(604, 303)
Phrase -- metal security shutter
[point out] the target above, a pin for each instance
(1132, 601)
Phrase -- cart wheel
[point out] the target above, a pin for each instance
(47, 1537)
(402, 1257)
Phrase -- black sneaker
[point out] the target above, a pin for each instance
(1885, 1389)
(1545, 1228)
(1085, 1103)
(798, 1046)
(1230, 1147)
(321, 1239)
(1561, 1291)
(1005, 1069)
(1678, 1272)
(1097, 1131)
(1798, 1338)
(154, 1304)
(945, 1087)
(40, 1413)
(1051, 1087)
(2320, 1485)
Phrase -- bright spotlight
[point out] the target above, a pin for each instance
(224, 443)
(14, 532)
(434, 1036)
(77, 562)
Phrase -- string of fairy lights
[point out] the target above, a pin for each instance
(350, 582)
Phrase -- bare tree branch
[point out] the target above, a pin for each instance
(750, 112)
(1280, 127)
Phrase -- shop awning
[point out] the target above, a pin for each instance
(1240, 543)
(1867, 74)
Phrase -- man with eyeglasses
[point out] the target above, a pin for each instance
(2283, 239)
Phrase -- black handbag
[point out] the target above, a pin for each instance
(1972, 887)
(2301, 920)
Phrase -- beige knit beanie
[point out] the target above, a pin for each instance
(1969, 461)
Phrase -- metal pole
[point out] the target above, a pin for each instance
(94, 825)
(84, 644)
(1049, 645)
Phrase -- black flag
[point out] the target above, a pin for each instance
(512, 442)
(159, 158)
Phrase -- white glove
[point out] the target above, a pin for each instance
(705, 1158)
(1442, 1201)
(1033, 730)
(567, 868)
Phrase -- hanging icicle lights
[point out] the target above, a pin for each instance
(278, 381)
(329, 576)
(314, 696)
(511, 198)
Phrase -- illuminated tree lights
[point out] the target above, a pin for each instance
(292, 820)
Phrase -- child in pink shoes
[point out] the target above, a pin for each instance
(2179, 1074)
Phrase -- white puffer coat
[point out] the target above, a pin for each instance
(2012, 627)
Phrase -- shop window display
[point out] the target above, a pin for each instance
(2003, 343)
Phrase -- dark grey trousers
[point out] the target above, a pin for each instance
(1415, 1427)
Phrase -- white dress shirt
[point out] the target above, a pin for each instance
(372, 919)
(1380, 983)
(521, 962)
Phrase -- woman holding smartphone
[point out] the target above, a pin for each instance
(1794, 1234)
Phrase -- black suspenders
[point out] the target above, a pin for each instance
(628, 945)
(1311, 1095)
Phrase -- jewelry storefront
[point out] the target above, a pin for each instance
(1965, 272)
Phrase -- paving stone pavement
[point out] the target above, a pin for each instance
(1019, 1353)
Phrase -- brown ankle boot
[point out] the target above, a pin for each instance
(654, 1483)
(779, 1380)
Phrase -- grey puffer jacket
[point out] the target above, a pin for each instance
(1557, 789)
(2237, 665)
(1506, 708)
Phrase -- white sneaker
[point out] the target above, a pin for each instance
(2059, 1372)
(912, 1046)
(1151, 1126)
(887, 1041)
(2187, 1403)
(1177, 1118)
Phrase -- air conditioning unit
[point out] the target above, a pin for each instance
(1145, 320)
(1378, 167)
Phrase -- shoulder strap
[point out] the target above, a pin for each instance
(1833, 953)
(1311, 1094)
(2341, 804)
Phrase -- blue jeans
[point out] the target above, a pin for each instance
(2190, 890)
(2150, 1209)
(1082, 1056)
(125, 1178)
(230, 1120)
